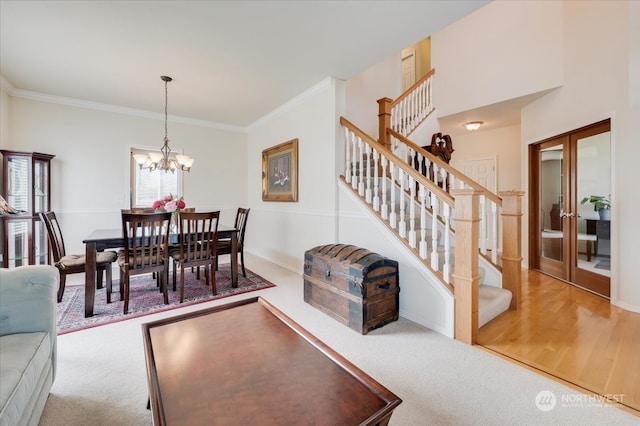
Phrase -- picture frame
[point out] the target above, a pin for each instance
(280, 172)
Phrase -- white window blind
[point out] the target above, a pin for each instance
(147, 186)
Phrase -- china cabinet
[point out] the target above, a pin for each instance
(26, 186)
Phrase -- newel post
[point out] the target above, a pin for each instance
(466, 277)
(512, 244)
(384, 121)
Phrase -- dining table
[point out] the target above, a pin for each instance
(102, 239)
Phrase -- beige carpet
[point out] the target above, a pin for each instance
(101, 377)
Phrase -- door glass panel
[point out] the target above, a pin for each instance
(17, 191)
(551, 202)
(594, 194)
(40, 190)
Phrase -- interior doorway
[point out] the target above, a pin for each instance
(408, 70)
(570, 182)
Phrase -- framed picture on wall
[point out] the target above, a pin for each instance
(280, 172)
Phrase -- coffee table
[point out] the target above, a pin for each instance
(248, 363)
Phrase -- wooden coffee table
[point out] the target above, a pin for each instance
(248, 363)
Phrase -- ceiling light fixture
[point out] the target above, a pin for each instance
(164, 159)
(472, 125)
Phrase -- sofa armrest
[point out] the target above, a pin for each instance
(28, 301)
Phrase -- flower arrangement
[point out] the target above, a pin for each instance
(169, 204)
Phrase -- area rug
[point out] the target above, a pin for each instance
(145, 298)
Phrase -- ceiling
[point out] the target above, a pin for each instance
(232, 62)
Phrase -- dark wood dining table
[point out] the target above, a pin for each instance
(102, 239)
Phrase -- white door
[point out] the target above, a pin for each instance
(408, 70)
(482, 170)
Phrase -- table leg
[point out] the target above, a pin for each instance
(234, 259)
(89, 279)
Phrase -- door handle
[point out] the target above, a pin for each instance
(563, 214)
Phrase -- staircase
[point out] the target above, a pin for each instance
(465, 236)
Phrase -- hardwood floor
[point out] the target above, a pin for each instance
(572, 335)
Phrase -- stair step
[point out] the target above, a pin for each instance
(492, 301)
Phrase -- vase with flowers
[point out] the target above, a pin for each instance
(170, 204)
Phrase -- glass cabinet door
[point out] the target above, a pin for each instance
(40, 186)
(18, 183)
(18, 233)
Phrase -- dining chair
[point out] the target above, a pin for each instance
(145, 237)
(196, 246)
(224, 246)
(73, 263)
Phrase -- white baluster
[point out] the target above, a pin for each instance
(423, 222)
(494, 233)
(423, 100)
(434, 232)
(436, 173)
(361, 145)
(367, 195)
(412, 113)
(402, 225)
(446, 267)
(354, 162)
(405, 115)
(347, 169)
(483, 224)
(396, 118)
(385, 207)
(392, 214)
(376, 179)
(412, 213)
(412, 157)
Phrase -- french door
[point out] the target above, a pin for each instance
(569, 238)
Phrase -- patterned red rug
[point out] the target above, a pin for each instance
(146, 299)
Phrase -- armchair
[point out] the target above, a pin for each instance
(28, 339)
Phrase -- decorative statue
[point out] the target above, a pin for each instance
(441, 147)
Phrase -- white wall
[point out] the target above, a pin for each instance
(597, 86)
(503, 144)
(90, 171)
(422, 298)
(5, 117)
(504, 50)
(283, 231)
(363, 90)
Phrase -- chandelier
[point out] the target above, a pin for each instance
(164, 159)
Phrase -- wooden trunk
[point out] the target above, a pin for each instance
(355, 286)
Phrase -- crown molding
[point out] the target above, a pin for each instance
(97, 106)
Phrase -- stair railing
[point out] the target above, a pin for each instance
(405, 113)
(382, 179)
(416, 209)
(447, 177)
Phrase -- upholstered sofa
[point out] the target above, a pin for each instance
(27, 342)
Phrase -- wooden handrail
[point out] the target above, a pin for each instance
(405, 113)
(458, 175)
(418, 177)
(412, 88)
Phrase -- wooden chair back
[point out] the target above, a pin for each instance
(146, 239)
(55, 235)
(241, 224)
(197, 236)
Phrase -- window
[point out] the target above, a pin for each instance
(147, 186)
